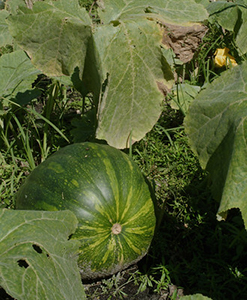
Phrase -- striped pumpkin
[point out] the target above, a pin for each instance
(108, 194)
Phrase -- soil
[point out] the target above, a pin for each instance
(126, 289)
(93, 293)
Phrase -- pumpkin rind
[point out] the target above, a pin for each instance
(108, 194)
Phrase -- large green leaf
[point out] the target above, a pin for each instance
(123, 56)
(217, 128)
(16, 76)
(54, 33)
(36, 259)
(131, 103)
(133, 65)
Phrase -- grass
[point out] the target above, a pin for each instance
(13, 171)
(191, 249)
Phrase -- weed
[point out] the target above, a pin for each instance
(13, 170)
(115, 285)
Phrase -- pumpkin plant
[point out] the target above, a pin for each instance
(37, 261)
(216, 126)
(232, 16)
(119, 58)
(107, 192)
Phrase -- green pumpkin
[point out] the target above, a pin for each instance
(110, 197)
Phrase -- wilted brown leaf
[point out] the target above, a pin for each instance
(184, 40)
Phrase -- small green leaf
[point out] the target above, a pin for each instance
(216, 124)
(2, 4)
(184, 93)
(36, 259)
(55, 34)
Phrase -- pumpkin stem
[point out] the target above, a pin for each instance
(116, 228)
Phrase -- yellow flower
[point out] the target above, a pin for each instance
(223, 58)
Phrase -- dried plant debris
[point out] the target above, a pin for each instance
(183, 40)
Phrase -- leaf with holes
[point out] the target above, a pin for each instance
(36, 259)
(106, 191)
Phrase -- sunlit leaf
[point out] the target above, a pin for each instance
(54, 33)
(36, 259)
(131, 102)
(120, 59)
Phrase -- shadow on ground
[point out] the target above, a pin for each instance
(202, 254)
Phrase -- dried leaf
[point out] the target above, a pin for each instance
(183, 40)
